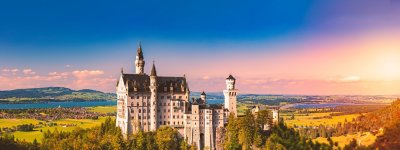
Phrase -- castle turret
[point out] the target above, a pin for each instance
(139, 62)
(230, 95)
(203, 97)
(153, 98)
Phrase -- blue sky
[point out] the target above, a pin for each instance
(67, 36)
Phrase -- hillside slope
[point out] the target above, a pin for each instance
(53, 94)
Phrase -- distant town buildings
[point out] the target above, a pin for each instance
(147, 102)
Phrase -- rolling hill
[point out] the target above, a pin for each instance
(53, 94)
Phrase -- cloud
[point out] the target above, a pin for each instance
(67, 66)
(28, 72)
(206, 77)
(14, 70)
(87, 73)
(351, 79)
(345, 79)
(78, 79)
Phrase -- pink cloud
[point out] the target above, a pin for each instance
(28, 72)
(87, 73)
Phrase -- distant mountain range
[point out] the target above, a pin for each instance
(66, 94)
(53, 94)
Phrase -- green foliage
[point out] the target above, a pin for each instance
(232, 136)
(25, 127)
(167, 138)
(248, 132)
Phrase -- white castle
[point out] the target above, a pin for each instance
(147, 102)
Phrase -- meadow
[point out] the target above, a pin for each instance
(362, 138)
(315, 119)
(62, 125)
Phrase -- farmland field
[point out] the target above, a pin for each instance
(37, 133)
(315, 119)
(364, 138)
(104, 109)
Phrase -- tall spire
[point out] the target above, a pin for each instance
(140, 52)
(153, 70)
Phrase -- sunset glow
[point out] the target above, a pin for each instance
(316, 48)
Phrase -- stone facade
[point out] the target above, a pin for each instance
(147, 102)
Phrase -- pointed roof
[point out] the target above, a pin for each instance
(140, 52)
(203, 93)
(153, 70)
(231, 77)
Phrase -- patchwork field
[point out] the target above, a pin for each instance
(315, 119)
(104, 109)
(62, 125)
(364, 138)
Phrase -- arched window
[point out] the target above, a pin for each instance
(140, 111)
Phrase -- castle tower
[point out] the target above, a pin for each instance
(203, 97)
(275, 115)
(153, 99)
(230, 95)
(139, 62)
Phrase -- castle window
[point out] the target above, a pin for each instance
(169, 104)
(173, 116)
(168, 97)
(162, 97)
(173, 104)
(140, 111)
(144, 103)
(180, 97)
(164, 123)
(140, 117)
(137, 97)
(137, 103)
(168, 122)
(169, 110)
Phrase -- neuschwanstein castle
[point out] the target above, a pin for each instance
(146, 102)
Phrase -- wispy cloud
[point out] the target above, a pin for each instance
(28, 72)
